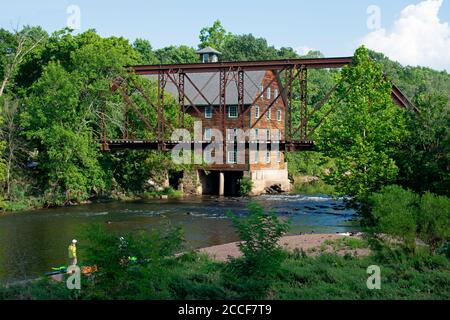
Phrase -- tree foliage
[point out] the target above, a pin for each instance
(424, 156)
(214, 36)
(177, 54)
(61, 118)
(145, 50)
(364, 130)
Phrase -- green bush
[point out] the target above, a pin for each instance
(134, 265)
(196, 276)
(245, 186)
(168, 191)
(407, 216)
(259, 234)
(395, 211)
(434, 220)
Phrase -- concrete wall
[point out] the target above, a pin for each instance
(266, 178)
(197, 182)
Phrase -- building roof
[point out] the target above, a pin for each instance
(209, 83)
(208, 50)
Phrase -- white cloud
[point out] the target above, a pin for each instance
(418, 37)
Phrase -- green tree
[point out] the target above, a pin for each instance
(68, 154)
(247, 47)
(424, 157)
(259, 232)
(135, 265)
(16, 151)
(364, 130)
(146, 51)
(61, 118)
(14, 49)
(214, 36)
(177, 54)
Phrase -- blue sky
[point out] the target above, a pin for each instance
(334, 27)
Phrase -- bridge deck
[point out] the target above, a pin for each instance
(123, 144)
(311, 63)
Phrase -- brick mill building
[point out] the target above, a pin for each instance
(264, 166)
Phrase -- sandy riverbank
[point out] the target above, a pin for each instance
(310, 243)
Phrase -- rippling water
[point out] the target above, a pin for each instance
(33, 242)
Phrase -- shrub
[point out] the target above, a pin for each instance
(245, 186)
(407, 216)
(259, 234)
(131, 266)
(168, 191)
(434, 220)
(394, 211)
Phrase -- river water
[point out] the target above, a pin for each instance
(33, 242)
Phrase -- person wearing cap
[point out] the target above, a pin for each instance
(73, 252)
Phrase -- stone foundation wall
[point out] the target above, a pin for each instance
(190, 183)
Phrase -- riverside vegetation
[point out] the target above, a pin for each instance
(265, 270)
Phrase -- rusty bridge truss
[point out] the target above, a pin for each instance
(288, 73)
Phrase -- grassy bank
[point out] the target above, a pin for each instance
(327, 276)
(264, 270)
(33, 203)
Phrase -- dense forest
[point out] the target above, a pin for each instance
(51, 94)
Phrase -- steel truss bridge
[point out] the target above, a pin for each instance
(296, 136)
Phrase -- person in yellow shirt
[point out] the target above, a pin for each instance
(73, 252)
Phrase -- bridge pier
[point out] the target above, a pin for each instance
(221, 183)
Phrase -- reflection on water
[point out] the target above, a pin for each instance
(33, 242)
